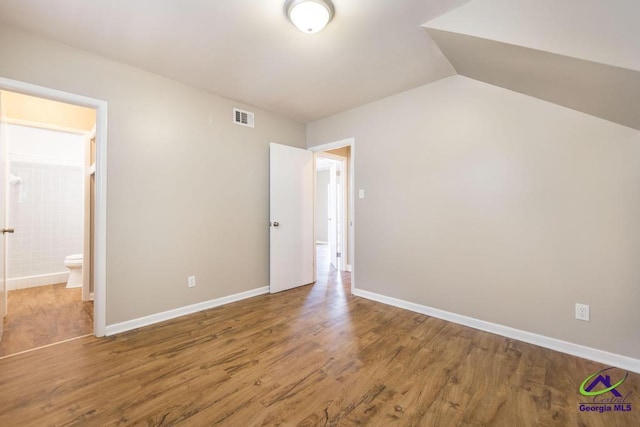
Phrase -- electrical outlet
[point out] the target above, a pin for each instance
(191, 281)
(582, 312)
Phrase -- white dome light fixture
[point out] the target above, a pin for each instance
(310, 16)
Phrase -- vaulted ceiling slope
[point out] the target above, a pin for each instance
(581, 54)
(248, 51)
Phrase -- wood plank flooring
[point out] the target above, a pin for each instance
(44, 315)
(312, 356)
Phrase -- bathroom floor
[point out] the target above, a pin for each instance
(44, 315)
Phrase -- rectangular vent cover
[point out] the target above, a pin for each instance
(244, 118)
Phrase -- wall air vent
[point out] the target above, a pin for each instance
(244, 118)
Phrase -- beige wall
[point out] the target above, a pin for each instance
(187, 189)
(500, 207)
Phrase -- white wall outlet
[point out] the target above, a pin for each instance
(361, 194)
(582, 312)
(191, 281)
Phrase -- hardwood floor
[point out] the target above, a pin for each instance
(44, 315)
(311, 356)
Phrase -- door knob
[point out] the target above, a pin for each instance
(8, 230)
(276, 224)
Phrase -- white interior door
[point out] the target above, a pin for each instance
(340, 212)
(291, 217)
(3, 221)
(333, 217)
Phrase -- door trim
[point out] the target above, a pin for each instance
(348, 142)
(100, 243)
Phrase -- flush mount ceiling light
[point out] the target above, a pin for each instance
(310, 16)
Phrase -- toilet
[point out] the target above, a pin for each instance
(74, 264)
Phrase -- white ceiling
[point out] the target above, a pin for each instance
(248, 51)
(600, 90)
(581, 54)
(604, 31)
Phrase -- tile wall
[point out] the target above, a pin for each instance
(45, 205)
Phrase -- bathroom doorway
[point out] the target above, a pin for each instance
(50, 152)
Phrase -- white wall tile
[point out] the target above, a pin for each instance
(46, 208)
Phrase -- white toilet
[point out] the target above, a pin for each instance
(74, 264)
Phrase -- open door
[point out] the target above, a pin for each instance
(291, 217)
(3, 220)
(333, 217)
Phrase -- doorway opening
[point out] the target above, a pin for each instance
(293, 254)
(334, 209)
(53, 198)
(48, 158)
(331, 210)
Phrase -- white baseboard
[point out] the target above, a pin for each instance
(37, 280)
(610, 359)
(182, 311)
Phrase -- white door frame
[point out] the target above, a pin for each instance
(349, 142)
(100, 242)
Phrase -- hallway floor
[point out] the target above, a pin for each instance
(44, 315)
(327, 274)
